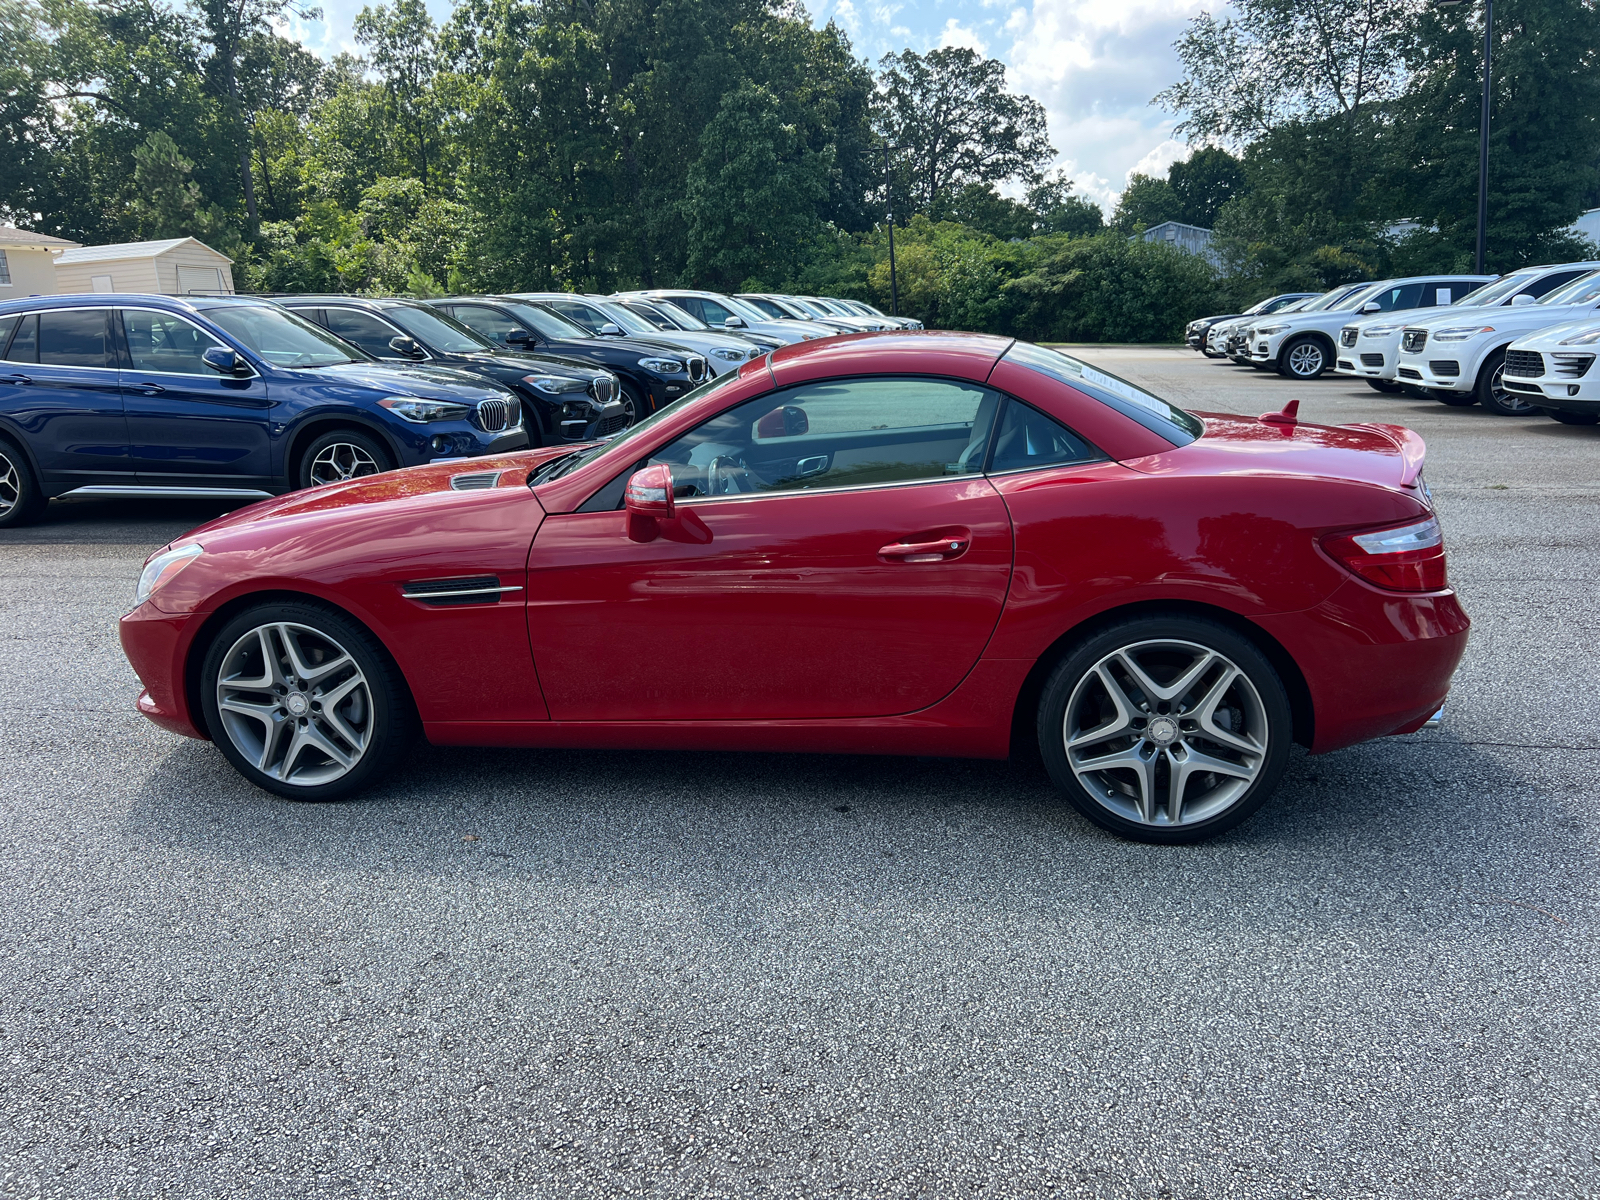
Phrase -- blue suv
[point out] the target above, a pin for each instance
(224, 397)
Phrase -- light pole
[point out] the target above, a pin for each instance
(888, 204)
(1483, 121)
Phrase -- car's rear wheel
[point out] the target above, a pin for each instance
(1387, 386)
(304, 702)
(21, 498)
(339, 455)
(1454, 399)
(1492, 393)
(1165, 729)
(1571, 418)
(1303, 358)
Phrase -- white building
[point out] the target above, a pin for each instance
(1195, 239)
(28, 262)
(175, 267)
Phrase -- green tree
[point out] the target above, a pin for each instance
(1146, 201)
(1059, 211)
(402, 49)
(1204, 182)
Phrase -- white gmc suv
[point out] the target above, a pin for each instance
(1369, 347)
(1303, 346)
(1460, 356)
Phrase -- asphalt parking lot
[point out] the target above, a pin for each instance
(582, 973)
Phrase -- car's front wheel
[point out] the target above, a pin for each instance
(1303, 358)
(304, 702)
(1454, 399)
(1492, 393)
(1165, 729)
(340, 455)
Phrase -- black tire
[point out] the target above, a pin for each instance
(1454, 399)
(1493, 395)
(341, 454)
(21, 499)
(631, 398)
(1257, 705)
(1415, 392)
(386, 723)
(1571, 418)
(1387, 386)
(1213, 353)
(1304, 358)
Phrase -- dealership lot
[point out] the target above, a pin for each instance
(575, 972)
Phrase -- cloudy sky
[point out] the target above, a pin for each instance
(1093, 64)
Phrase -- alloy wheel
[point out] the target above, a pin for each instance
(339, 461)
(1305, 360)
(1504, 401)
(1165, 732)
(295, 704)
(10, 484)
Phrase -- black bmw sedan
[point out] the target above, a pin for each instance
(567, 401)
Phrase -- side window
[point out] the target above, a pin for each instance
(649, 314)
(1396, 299)
(713, 313)
(490, 322)
(1549, 283)
(844, 433)
(7, 324)
(582, 314)
(694, 306)
(166, 342)
(365, 330)
(73, 338)
(1443, 292)
(1028, 440)
(25, 346)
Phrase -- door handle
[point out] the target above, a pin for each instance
(953, 545)
(151, 389)
(16, 379)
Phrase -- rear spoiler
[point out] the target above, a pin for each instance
(1410, 444)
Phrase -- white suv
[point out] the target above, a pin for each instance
(1460, 356)
(1555, 369)
(1369, 347)
(1302, 346)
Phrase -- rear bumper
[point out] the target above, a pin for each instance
(1375, 662)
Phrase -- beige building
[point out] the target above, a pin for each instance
(175, 267)
(28, 263)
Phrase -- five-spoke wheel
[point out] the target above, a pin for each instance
(340, 455)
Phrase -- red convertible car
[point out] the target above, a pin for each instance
(920, 543)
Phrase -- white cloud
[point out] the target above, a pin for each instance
(955, 34)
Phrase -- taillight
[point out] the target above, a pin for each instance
(1403, 558)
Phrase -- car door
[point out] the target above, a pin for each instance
(837, 553)
(491, 323)
(58, 385)
(370, 332)
(188, 425)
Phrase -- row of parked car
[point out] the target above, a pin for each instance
(245, 397)
(1518, 344)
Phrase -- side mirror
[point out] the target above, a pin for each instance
(224, 361)
(611, 329)
(788, 421)
(1523, 298)
(733, 323)
(648, 499)
(519, 337)
(405, 347)
(1371, 306)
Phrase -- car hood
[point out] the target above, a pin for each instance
(1386, 455)
(531, 363)
(1508, 318)
(434, 383)
(387, 489)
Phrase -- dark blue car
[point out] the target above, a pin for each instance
(223, 397)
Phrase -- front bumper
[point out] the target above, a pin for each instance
(1442, 370)
(1568, 395)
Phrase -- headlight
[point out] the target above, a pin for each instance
(1460, 333)
(1583, 339)
(662, 366)
(555, 385)
(728, 354)
(1381, 330)
(160, 570)
(421, 411)
(1269, 330)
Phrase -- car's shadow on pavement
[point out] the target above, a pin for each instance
(1428, 824)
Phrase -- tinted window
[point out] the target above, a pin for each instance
(836, 434)
(283, 338)
(491, 323)
(708, 311)
(654, 316)
(1028, 439)
(1396, 298)
(1550, 283)
(551, 324)
(73, 338)
(767, 306)
(25, 346)
(1583, 290)
(364, 329)
(433, 329)
(166, 342)
(1154, 413)
(1441, 292)
(580, 314)
(7, 324)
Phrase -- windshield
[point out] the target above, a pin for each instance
(626, 319)
(549, 323)
(558, 467)
(282, 338)
(812, 308)
(1583, 290)
(437, 331)
(1331, 299)
(1496, 291)
(1154, 413)
(744, 309)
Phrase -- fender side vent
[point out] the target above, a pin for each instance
(470, 589)
(474, 481)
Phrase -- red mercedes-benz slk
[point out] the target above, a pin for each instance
(932, 544)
